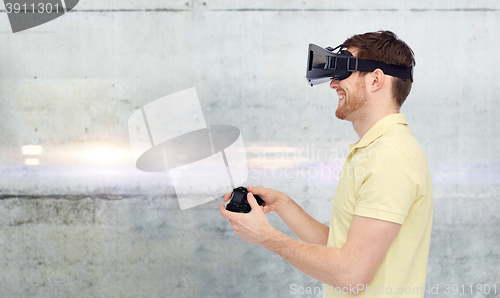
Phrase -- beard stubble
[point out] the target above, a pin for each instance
(355, 102)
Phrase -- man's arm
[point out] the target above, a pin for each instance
(301, 223)
(356, 263)
(368, 241)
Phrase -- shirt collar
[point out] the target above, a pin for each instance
(378, 129)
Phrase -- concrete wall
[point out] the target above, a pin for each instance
(86, 223)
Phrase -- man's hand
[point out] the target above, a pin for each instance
(272, 198)
(302, 224)
(251, 227)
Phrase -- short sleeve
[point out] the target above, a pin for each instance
(388, 187)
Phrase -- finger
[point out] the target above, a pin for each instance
(227, 196)
(232, 216)
(225, 213)
(253, 202)
(257, 190)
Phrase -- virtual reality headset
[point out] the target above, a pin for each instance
(324, 65)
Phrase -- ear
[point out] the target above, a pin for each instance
(378, 80)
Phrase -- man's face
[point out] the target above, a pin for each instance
(352, 95)
(351, 92)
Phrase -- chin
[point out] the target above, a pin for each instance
(341, 114)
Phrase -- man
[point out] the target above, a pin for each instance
(378, 241)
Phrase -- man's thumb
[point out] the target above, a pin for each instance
(252, 201)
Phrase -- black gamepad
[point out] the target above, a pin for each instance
(239, 201)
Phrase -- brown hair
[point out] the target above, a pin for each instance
(385, 46)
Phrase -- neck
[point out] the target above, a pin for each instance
(362, 124)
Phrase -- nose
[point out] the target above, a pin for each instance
(334, 84)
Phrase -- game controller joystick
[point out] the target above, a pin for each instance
(239, 201)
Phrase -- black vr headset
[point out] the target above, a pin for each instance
(323, 65)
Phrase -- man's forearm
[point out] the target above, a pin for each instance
(325, 264)
(302, 224)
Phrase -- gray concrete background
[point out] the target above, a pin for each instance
(86, 223)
